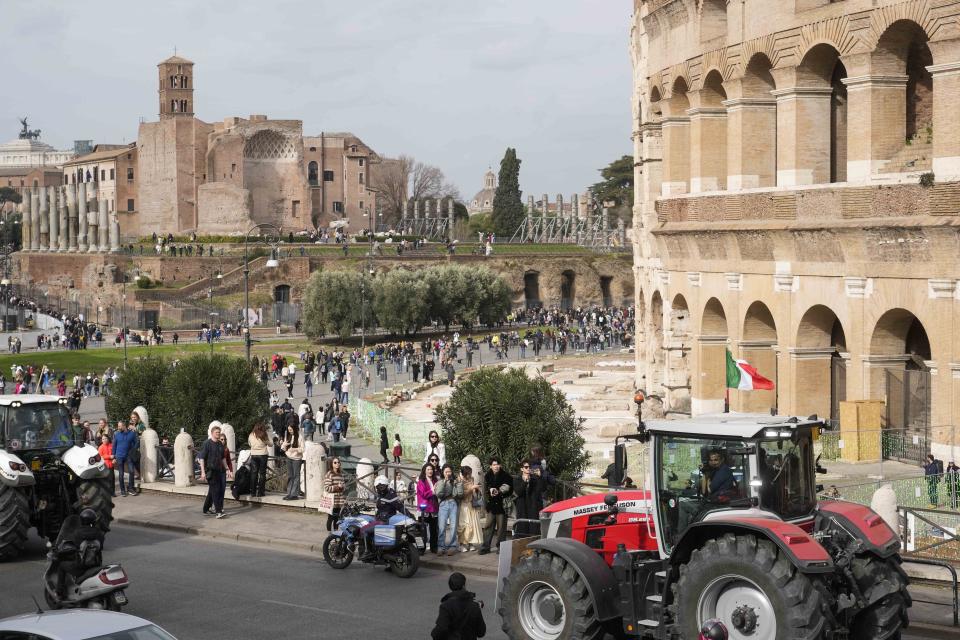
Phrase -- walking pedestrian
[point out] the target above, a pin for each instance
(293, 448)
(124, 442)
(258, 441)
(427, 502)
(213, 471)
(334, 484)
(308, 382)
(460, 616)
(448, 491)
(932, 470)
(384, 444)
(499, 485)
(469, 531)
(952, 478)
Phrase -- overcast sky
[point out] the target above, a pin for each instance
(450, 82)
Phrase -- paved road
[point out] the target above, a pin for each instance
(196, 588)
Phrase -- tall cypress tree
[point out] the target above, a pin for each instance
(508, 212)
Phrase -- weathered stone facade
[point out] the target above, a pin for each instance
(779, 211)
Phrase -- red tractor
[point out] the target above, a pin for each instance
(730, 538)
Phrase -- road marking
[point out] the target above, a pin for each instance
(336, 612)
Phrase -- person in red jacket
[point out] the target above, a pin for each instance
(106, 453)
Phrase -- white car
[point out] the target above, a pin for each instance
(80, 624)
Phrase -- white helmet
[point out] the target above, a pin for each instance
(381, 481)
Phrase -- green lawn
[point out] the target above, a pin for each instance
(96, 359)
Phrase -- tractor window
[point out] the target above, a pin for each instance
(698, 476)
(38, 426)
(787, 472)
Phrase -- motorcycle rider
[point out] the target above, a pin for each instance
(75, 530)
(388, 503)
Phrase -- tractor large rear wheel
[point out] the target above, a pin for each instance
(884, 586)
(544, 598)
(95, 494)
(751, 587)
(14, 522)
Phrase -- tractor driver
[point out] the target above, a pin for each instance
(717, 478)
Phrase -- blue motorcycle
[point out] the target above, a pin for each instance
(397, 543)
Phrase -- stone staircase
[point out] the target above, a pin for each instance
(915, 156)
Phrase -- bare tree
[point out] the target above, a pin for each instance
(426, 181)
(392, 180)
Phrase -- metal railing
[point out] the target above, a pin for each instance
(955, 603)
(913, 492)
(909, 446)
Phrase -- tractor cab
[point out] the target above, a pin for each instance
(707, 467)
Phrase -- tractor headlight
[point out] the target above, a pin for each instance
(18, 466)
(94, 460)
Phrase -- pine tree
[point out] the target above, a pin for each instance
(508, 212)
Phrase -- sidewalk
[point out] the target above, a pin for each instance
(295, 529)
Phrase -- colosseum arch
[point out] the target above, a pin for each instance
(820, 364)
(710, 376)
(821, 152)
(679, 317)
(655, 355)
(752, 125)
(902, 51)
(713, 21)
(676, 140)
(899, 353)
(758, 346)
(708, 136)
(656, 108)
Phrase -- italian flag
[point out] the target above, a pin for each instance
(742, 376)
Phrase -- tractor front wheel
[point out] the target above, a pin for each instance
(95, 494)
(751, 587)
(14, 521)
(544, 598)
(884, 585)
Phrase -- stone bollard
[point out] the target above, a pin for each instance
(313, 472)
(884, 502)
(228, 430)
(215, 423)
(365, 478)
(183, 455)
(473, 462)
(149, 441)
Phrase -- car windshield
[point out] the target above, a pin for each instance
(150, 632)
(38, 426)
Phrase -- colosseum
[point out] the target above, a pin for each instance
(798, 185)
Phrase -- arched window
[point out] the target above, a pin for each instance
(312, 176)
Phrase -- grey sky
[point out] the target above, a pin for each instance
(450, 82)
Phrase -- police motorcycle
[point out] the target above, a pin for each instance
(389, 537)
(76, 576)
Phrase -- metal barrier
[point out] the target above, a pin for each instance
(930, 534)
(915, 492)
(953, 575)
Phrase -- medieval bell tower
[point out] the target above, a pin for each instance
(176, 87)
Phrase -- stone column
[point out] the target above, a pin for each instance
(183, 455)
(451, 209)
(708, 149)
(115, 234)
(149, 441)
(544, 205)
(26, 220)
(403, 215)
(82, 216)
(313, 472)
(44, 219)
(876, 128)
(72, 216)
(751, 143)
(676, 155)
(560, 206)
(621, 232)
(803, 137)
(710, 379)
(103, 228)
(93, 218)
(574, 215)
(946, 133)
(52, 193)
(64, 230)
(811, 372)
(417, 204)
(35, 219)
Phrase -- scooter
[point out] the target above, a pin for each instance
(397, 543)
(88, 584)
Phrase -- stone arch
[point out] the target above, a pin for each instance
(281, 294)
(655, 378)
(822, 152)
(758, 346)
(752, 128)
(679, 317)
(820, 363)
(656, 108)
(568, 289)
(531, 289)
(679, 101)
(713, 320)
(899, 373)
(902, 49)
(713, 94)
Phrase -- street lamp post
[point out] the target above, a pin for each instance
(271, 263)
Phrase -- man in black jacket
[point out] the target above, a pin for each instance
(460, 617)
(498, 484)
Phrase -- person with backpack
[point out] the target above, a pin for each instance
(460, 616)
